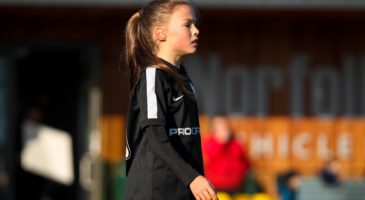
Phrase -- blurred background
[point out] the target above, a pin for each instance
(281, 88)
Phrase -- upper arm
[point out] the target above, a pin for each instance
(153, 98)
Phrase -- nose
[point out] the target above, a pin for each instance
(195, 30)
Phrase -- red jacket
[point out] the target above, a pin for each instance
(225, 164)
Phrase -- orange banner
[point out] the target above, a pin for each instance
(280, 143)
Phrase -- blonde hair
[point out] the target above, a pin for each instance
(140, 48)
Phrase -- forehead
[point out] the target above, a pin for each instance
(182, 12)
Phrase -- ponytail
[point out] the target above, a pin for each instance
(131, 37)
(140, 49)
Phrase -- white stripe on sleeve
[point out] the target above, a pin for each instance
(151, 94)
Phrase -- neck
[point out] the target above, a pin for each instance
(170, 57)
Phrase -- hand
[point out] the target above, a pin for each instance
(202, 189)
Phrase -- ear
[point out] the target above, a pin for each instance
(160, 34)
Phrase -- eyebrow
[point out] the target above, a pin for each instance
(191, 20)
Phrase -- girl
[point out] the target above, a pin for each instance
(163, 155)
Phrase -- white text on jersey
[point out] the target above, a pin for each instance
(184, 131)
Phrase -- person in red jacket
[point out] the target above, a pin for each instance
(226, 163)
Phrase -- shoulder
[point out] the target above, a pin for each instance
(154, 73)
(152, 77)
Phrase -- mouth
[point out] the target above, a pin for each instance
(195, 42)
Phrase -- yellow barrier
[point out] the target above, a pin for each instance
(224, 196)
(241, 197)
(258, 196)
(261, 196)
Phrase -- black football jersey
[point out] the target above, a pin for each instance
(163, 153)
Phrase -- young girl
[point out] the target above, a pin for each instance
(163, 155)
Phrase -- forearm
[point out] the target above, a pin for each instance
(160, 144)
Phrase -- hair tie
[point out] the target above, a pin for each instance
(140, 12)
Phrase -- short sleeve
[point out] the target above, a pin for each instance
(152, 98)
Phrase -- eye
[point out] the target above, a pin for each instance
(187, 24)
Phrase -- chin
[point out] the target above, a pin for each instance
(192, 51)
(188, 53)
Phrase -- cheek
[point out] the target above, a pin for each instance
(180, 36)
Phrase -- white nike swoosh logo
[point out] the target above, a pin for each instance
(177, 98)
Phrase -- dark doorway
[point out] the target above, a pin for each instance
(50, 80)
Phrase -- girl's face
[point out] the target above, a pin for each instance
(181, 32)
